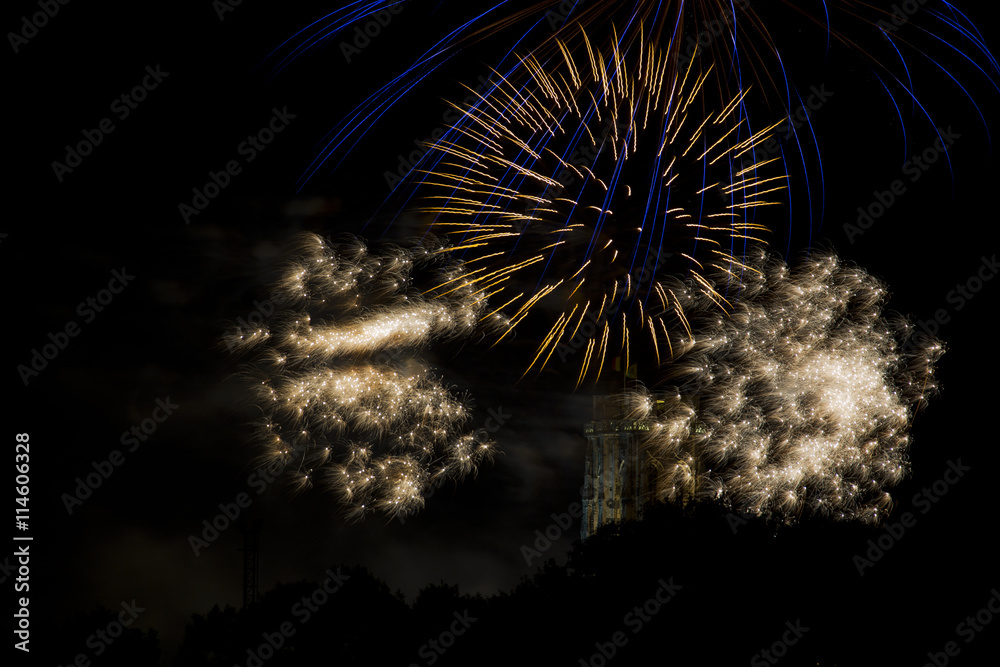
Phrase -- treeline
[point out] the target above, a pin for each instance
(698, 586)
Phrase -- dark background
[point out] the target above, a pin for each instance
(159, 338)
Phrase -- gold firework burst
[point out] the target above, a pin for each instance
(571, 187)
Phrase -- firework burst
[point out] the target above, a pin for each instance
(601, 173)
(745, 39)
(797, 400)
(609, 179)
(346, 401)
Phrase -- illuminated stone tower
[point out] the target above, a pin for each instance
(619, 479)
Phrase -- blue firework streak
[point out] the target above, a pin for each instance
(573, 191)
(739, 36)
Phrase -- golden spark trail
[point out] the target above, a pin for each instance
(531, 180)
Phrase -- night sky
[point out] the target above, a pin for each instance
(76, 235)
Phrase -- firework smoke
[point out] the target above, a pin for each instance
(798, 400)
(346, 402)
